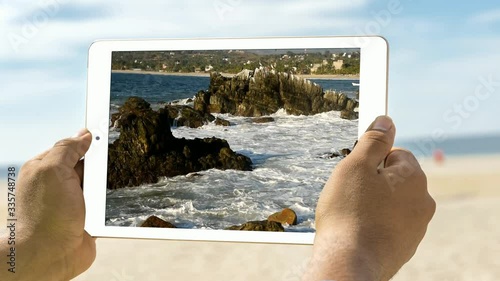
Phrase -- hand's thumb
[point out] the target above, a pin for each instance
(69, 151)
(376, 142)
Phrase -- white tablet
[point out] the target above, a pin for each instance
(223, 139)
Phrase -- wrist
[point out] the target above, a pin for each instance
(341, 259)
(27, 258)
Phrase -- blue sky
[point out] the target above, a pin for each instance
(441, 55)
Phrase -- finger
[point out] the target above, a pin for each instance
(399, 156)
(43, 154)
(79, 170)
(69, 151)
(401, 165)
(376, 142)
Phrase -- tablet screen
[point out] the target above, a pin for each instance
(227, 139)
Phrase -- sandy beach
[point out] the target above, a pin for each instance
(206, 74)
(462, 243)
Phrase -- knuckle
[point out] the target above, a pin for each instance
(64, 143)
(377, 137)
(53, 171)
(422, 176)
(419, 175)
(412, 168)
(405, 154)
(72, 148)
(432, 207)
(27, 169)
(45, 169)
(27, 166)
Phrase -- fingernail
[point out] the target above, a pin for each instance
(382, 123)
(80, 133)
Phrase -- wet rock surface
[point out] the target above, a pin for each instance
(146, 149)
(154, 221)
(264, 225)
(287, 216)
(262, 92)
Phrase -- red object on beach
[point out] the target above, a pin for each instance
(438, 156)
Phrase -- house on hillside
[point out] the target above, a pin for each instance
(338, 64)
(315, 67)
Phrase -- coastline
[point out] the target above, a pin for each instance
(204, 74)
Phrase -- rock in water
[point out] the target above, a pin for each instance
(179, 115)
(146, 149)
(349, 115)
(259, 226)
(222, 122)
(183, 115)
(264, 92)
(263, 120)
(345, 151)
(287, 216)
(154, 221)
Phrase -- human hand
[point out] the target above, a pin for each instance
(370, 220)
(51, 241)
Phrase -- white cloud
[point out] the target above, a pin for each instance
(486, 17)
(29, 37)
(52, 38)
(319, 6)
(430, 69)
(39, 45)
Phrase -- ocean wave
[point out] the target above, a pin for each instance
(288, 172)
(186, 101)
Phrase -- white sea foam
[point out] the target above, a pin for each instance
(188, 101)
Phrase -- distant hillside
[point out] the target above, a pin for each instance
(233, 61)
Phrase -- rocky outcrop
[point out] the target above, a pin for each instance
(287, 216)
(221, 122)
(133, 104)
(343, 152)
(339, 153)
(146, 149)
(263, 92)
(264, 225)
(183, 115)
(349, 114)
(273, 223)
(263, 120)
(179, 115)
(154, 221)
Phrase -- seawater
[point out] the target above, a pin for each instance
(453, 146)
(290, 167)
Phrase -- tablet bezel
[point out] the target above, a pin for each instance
(372, 103)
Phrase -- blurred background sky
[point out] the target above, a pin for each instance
(444, 58)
